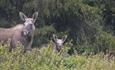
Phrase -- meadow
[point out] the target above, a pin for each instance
(47, 59)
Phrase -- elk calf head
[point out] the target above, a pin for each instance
(59, 42)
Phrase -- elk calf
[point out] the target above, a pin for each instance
(58, 42)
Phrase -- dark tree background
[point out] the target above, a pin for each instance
(89, 24)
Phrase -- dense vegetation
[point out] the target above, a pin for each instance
(46, 59)
(89, 24)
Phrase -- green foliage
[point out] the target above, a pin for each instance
(3, 23)
(47, 59)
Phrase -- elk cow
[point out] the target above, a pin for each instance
(22, 33)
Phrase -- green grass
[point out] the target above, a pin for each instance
(46, 59)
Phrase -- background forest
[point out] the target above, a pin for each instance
(89, 24)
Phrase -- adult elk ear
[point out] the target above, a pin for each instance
(34, 16)
(64, 38)
(22, 16)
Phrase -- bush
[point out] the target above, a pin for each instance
(46, 59)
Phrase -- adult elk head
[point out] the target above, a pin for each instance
(28, 23)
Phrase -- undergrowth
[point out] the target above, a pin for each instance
(47, 59)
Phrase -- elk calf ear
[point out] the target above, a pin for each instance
(54, 38)
(22, 16)
(64, 38)
(35, 15)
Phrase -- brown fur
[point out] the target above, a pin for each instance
(25, 40)
(15, 35)
(6, 33)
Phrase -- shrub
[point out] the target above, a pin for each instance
(46, 59)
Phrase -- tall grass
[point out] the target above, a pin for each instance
(47, 59)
